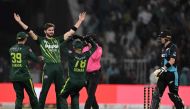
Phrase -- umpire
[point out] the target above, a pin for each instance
(168, 74)
(93, 73)
(19, 75)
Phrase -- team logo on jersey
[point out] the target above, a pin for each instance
(55, 41)
(69, 51)
(174, 54)
(45, 76)
(167, 49)
(30, 50)
(46, 43)
(163, 55)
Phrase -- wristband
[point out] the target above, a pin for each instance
(168, 65)
(27, 30)
(74, 28)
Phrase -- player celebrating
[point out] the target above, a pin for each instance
(50, 48)
(77, 62)
(168, 75)
(20, 77)
(93, 72)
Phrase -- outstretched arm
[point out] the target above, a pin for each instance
(76, 26)
(25, 27)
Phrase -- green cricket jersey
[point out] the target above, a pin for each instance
(78, 63)
(19, 55)
(50, 48)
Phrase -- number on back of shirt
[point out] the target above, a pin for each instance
(80, 64)
(16, 58)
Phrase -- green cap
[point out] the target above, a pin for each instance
(77, 43)
(21, 35)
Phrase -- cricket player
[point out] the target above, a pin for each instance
(50, 49)
(77, 62)
(20, 54)
(93, 73)
(168, 74)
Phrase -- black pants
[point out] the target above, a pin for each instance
(169, 79)
(19, 87)
(72, 87)
(92, 83)
(53, 73)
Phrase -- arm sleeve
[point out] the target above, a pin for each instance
(173, 51)
(98, 53)
(60, 39)
(93, 48)
(32, 56)
(39, 39)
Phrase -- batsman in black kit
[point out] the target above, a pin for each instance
(167, 74)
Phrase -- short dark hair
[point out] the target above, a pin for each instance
(47, 25)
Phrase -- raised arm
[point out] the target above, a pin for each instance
(93, 48)
(76, 26)
(25, 27)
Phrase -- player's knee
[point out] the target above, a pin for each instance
(174, 97)
(177, 100)
(33, 102)
(20, 98)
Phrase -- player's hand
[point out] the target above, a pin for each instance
(82, 16)
(41, 58)
(78, 37)
(163, 69)
(88, 38)
(159, 71)
(17, 17)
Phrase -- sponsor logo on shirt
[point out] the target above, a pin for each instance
(51, 46)
(163, 55)
(45, 76)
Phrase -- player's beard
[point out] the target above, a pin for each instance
(50, 34)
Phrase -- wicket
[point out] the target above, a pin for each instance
(148, 91)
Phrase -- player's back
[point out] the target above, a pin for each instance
(19, 62)
(77, 66)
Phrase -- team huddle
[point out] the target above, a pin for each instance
(52, 70)
(83, 67)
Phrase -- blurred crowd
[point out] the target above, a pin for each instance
(128, 30)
